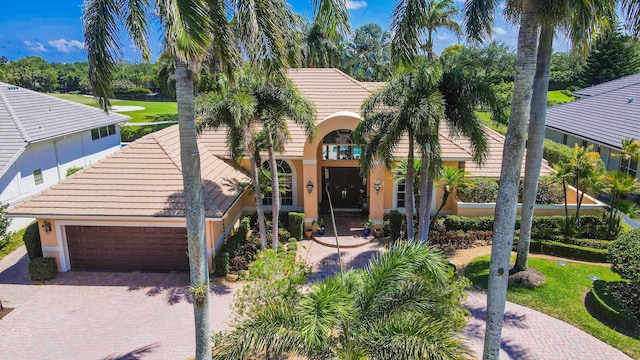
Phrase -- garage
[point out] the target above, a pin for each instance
(127, 248)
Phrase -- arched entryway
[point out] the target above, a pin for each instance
(331, 162)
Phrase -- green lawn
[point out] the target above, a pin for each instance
(562, 296)
(558, 97)
(154, 110)
(14, 243)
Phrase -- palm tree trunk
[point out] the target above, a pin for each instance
(535, 143)
(566, 207)
(578, 200)
(194, 209)
(445, 197)
(409, 199)
(506, 204)
(423, 211)
(275, 193)
(255, 179)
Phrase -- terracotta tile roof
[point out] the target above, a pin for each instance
(331, 91)
(142, 180)
(493, 163)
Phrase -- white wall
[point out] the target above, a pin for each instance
(77, 149)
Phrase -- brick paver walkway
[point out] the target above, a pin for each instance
(85, 315)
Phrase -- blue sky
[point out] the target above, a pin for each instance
(53, 29)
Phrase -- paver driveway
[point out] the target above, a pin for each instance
(83, 315)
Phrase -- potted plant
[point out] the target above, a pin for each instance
(308, 232)
(368, 225)
(319, 224)
(377, 232)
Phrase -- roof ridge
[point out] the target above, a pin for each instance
(345, 75)
(166, 150)
(13, 116)
(454, 143)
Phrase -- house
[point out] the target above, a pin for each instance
(42, 136)
(126, 211)
(602, 117)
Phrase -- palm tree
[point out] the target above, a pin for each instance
(479, 20)
(409, 106)
(441, 14)
(360, 314)
(367, 54)
(449, 180)
(630, 151)
(253, 102)
(587, 170)
(191, 28)
(619, 185)
(583, 19)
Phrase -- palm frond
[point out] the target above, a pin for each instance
(479, 17)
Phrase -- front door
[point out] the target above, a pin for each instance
(344, 186)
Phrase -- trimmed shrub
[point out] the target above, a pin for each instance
(292, 246)
(283, 234)
(243, 274)
(555, 153)
(455, 223)
(296, 225)
(221, 264)
(281, 248)
(549, 191)
(568, 251)
(395, 224)
(32, 242)
(5, 236)
(624, 255)
(292, 240)
(456, 240)
(42, 269)
(478, 190)
(602, 303)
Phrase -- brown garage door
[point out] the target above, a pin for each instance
(127, 248)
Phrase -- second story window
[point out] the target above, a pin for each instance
(103, 132)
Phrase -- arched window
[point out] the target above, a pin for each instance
(286, 179)
(338, 145)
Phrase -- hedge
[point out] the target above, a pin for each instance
(624, 254)
(455, 223)
(568, 251)
(598, 302)
(32, 242)
(555, 153)
(221, 265)
(42, 269)
(395, 224)
(478, 190)
(296, 225)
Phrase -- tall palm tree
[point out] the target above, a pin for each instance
(191, 28)
(479, 20)
(409, 106)
(404, 305)
(619, 185)
(367, 53)
(257, 102)
(441, 14)
(582, 19)
(630, 151)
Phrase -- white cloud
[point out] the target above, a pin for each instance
(355, 5)
(65, 46)
(442, 37)
(34, 46)
(499, 30)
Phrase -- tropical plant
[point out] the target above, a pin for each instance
(449, 180)
(441, 14)
(191, 28)
(619, 185)
(479, 16)
(257, 101)
(587, 171)
(406, 304)
(592, 16)
(367, 56)
(630, 152)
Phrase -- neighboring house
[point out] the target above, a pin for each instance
(42, 136)
(126, 212)
(602, 117)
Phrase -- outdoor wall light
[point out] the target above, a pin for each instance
(46, 226)
(377, 186)
(309, 186)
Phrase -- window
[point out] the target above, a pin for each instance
(338, 145)
(103, 132)
(629, 167)
(584, 143)
(401, 194)
(285, 175)
(564, 139)
(37, 177)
